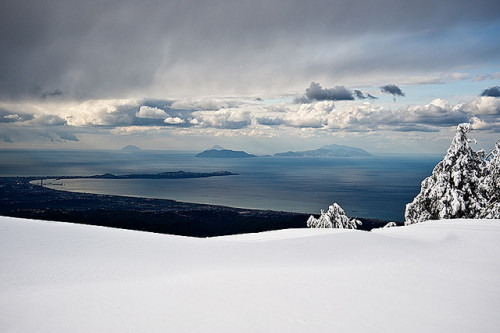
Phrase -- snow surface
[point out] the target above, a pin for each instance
(438, 276)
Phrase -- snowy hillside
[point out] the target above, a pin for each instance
(440, 276)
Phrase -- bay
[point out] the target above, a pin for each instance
(373, 187)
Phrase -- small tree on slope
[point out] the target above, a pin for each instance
(491, 185)
(334, 218)
(454, 189)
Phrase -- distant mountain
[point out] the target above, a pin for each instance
(131, 148)
(217, 147)
(328, 151)
(224, 153)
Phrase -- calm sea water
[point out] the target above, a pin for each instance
(374, 187)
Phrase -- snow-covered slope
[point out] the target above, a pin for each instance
(438, 276)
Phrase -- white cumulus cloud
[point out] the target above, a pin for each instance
(151, 112)
(230, 118)
(173, 120)
(484, 105)
(310, 114)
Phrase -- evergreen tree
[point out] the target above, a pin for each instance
(491, 184)
(334, 218)
(454, 189)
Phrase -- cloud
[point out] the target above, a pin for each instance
(5, 138)
(359, 95)
(357, 118)
(224, 119)
(52, 93)
(484, 105)
(136, 130)
(36, 134)
(437, 113)
(458, 76)
(270, 121)
(99, 49)
(56, 121)
(12, 118)
(48, 120)
(63, 136)
(7, 116)
(173, 121)
(414, 128)
(479, 124)
(316, 93)
(487, 76)
(149, 112)
(354, 117)
(392, 89)
(310, 115)
(491, 92)
(115, 113)
(205, 104)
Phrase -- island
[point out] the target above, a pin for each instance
(131, 148)
(224, 153)
(328, 151)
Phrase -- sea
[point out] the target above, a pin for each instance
(376, 187)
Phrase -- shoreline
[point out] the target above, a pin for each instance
(20, 198)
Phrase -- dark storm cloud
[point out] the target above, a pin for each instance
(392, 89)
(103, 49)
(339, 93)
(316, 93)
(359, 95)
(491, 92)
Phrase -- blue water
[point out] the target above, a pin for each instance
(373, 187)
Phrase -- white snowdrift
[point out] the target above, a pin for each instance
(440, 276)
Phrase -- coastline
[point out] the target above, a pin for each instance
(20, 198)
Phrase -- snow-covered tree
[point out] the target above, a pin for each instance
(491, 184)
(454, 189)
(491, 211)
(334, 218)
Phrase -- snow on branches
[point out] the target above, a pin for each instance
(463, 185)
(491, 184)
(334, 218)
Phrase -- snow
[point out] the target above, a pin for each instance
(435, 276)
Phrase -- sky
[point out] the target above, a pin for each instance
(260, 76)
